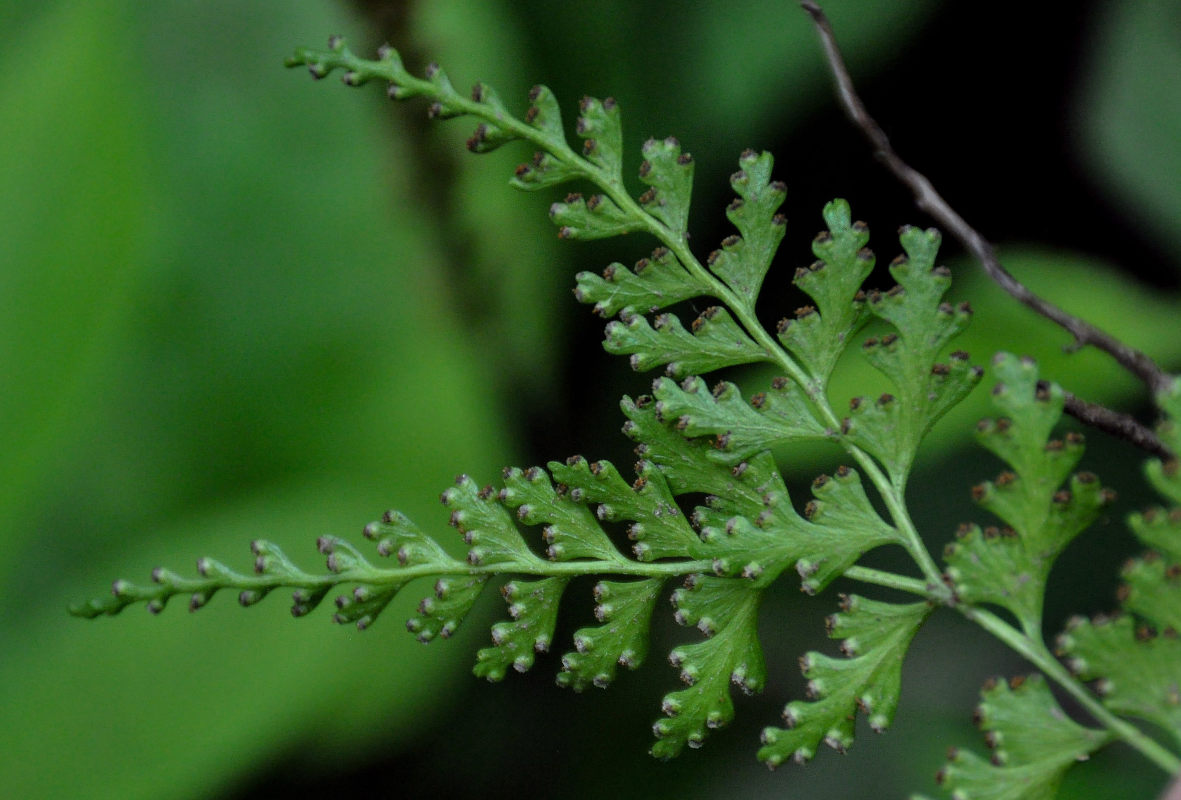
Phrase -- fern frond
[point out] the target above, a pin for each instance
(1137, 671)
(625, 609)
(713, 341)
(1165, 476)
(657, 282)
(780, 415)
(533, 612)
(272, 570)
(742, 261)
(727, 548)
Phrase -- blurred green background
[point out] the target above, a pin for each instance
(237, 304)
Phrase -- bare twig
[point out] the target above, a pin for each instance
(930, 201)
(1117, 424)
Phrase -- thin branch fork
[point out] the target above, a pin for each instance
(930, 201)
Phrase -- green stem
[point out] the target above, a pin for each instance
(379, 576)
(892, 580)
(168, 584)
(1034, 650)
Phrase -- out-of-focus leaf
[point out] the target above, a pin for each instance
(178, 705)
(76, 212)
(215, 330)
(1130, 111)
(488, 227)
(744, 62)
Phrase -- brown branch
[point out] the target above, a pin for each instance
(1120, 425)
(930, 201)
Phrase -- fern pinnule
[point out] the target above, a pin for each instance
(1033, 744)
(869, 678)
(1009, 566)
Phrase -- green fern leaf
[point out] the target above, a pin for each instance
(272, 569)
(363, 606)
(715, 341)
(625, 609)
(1136, 665)
(746, 531)
(542, 172)
(914, 307)
(533, 608)
(1024, 724)
(742, 261)
(485, 524)
(658, 527)
(490, 135)
(1138, 673)
(834, 284)
(876, 637)
(1152, 591)
(397, 536)
(594, 217)
(925, 388)
(1165, 476)
(744, 524)
(601, 130)
(657, 282)
(758, 537)
(1159, 529)
(1009, 566)
(726, 612)
(571, 530)
(685, 462)
(669, 173)
(840, 525)
(441, 613)
(1136, 661)
(748, 525)
(1033, 743)
(741, 429)
(454, 596)
(544, 113)
(844, 525)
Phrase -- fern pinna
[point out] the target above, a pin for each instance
(694, 441)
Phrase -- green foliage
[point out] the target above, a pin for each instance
(725, 610)
(625, 609)
(875, 638)
(1134, 658)
(1009, 566)
(1137, 673)
(708, 504)
(834, 284)
(1033, 743)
